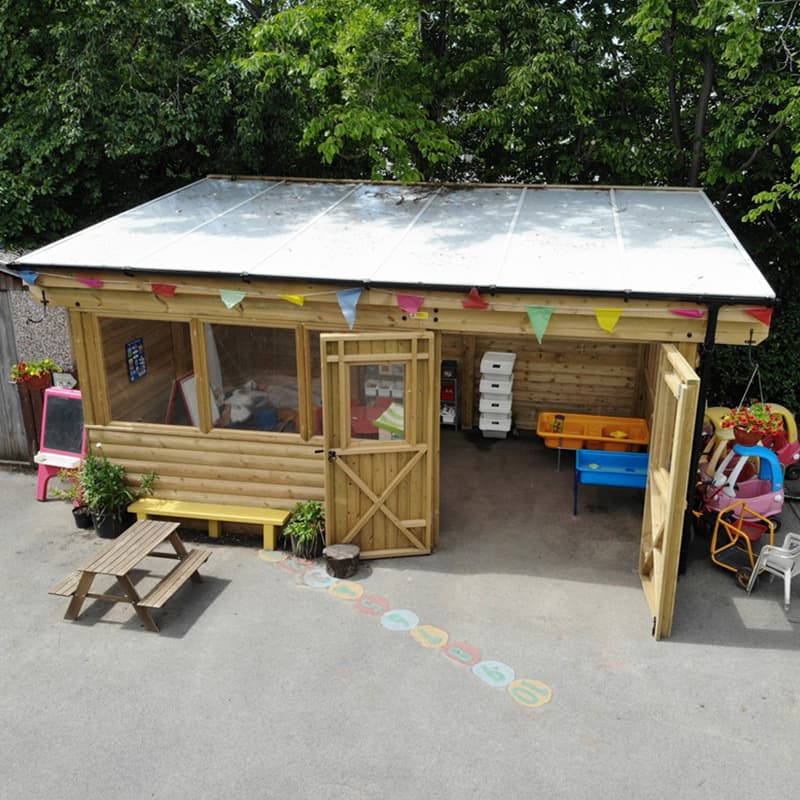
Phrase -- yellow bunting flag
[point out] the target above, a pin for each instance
(297, 299)
(607, 318)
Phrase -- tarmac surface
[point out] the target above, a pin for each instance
(260, 686)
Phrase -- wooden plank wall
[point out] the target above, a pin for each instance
(168, 351)
(560, 375)
(13, 441)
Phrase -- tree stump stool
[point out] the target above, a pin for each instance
(342, 559)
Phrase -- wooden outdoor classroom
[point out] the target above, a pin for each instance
(263, 341)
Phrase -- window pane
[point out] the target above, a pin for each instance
(143, 360)
(253, 374)
(377, 392)
(316, 383)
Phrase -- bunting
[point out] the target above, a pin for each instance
(231, 297)
(297, 299)
(761, 314)
(474, 300)
(28, 276)
(540, 319)
(165, 289)
(607, 318)
(409, 303)
(694, 313)
(348, 300)
(92, 283)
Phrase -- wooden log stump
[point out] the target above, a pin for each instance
(342, 559)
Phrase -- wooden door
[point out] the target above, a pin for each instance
(380, 428)
(672, 432)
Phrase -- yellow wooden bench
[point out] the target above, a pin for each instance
(270, 518)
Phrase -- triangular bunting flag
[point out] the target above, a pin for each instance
(695, 313)
(607, 318)
(93, 283)
(540, 319)
(231, 297)
(348, 300)
(761, 314)
(473, 300)
(409, 303)
(29, 276)
(297, 299)
(166, 289)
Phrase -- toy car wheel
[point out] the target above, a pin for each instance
(776, 521)
(792, 472)
(743, 577)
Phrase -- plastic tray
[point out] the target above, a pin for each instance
(577, 431)
(497, 363)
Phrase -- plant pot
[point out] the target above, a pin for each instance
(111, 526)
(307, 549)
(82, 517)
(746, 438)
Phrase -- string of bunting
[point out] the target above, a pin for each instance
(539, 316)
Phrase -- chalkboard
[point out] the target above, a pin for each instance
(63, 423)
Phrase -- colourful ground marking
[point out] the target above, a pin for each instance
(347, 590)
(273, 556)
(400, 619)
(372, 604)
(295, 565)
(529, 692)
(494, 673)
(462, 653)
(430, 636)
(318, 578)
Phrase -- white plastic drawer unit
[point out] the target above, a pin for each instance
(497, 363)
(493, 385)
(495, 422)
(495, 404)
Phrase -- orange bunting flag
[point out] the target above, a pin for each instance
(761, 314)
(166, 289)
(473, 300)
(297, 299)
(607, 318)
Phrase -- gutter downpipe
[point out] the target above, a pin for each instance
(706, 362)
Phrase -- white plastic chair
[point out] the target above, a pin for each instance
(781, 561)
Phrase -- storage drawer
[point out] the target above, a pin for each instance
(495, 404)
(497, 363)
(492, 385)
(495, 422)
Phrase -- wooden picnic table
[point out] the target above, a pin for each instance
(124, 554)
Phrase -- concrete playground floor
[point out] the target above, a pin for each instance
(260, 686)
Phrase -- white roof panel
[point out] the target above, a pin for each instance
(550, 239)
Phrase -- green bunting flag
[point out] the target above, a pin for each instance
(540, 319)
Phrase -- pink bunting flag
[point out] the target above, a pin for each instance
(694, 313)
(409, 303)
(761, 314)
(93, 283)
(473, 300)
(166, 289)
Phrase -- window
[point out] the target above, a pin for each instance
(377, 397)
(143, 362)
(253, 376)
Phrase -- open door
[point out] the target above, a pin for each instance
(672, 431)
(380, 428)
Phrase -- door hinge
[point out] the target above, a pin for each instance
(653, 631)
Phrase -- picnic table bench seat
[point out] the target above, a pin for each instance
(269, 518)
(185, 569)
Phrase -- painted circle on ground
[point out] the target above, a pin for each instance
(273, 556)
(462, 653)
(430, 636)
(294, 565)
(401, 619)
(318, 578)
(347, 590)
(372, 604)
(529, 692)
(494, 673)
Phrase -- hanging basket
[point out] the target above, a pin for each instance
(746, 438)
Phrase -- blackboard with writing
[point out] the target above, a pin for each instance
(63, 422)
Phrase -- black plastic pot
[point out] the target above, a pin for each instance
(109, 527)
(82, 517)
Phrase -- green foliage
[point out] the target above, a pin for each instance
(306, 527)
(105, 487)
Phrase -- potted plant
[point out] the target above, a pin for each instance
(306, 529)
(71, 489)
(751, 423)
(108, 493)
(38, 374)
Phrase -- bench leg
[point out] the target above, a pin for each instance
(75, 605)
(133, 599)
(141, 515)
(213, 528)
(270, 537)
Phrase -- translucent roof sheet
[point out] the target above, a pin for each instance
(649, 241)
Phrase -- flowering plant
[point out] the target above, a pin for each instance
(25, 371)
(757, 417)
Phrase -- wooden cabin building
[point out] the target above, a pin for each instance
(234, 336)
